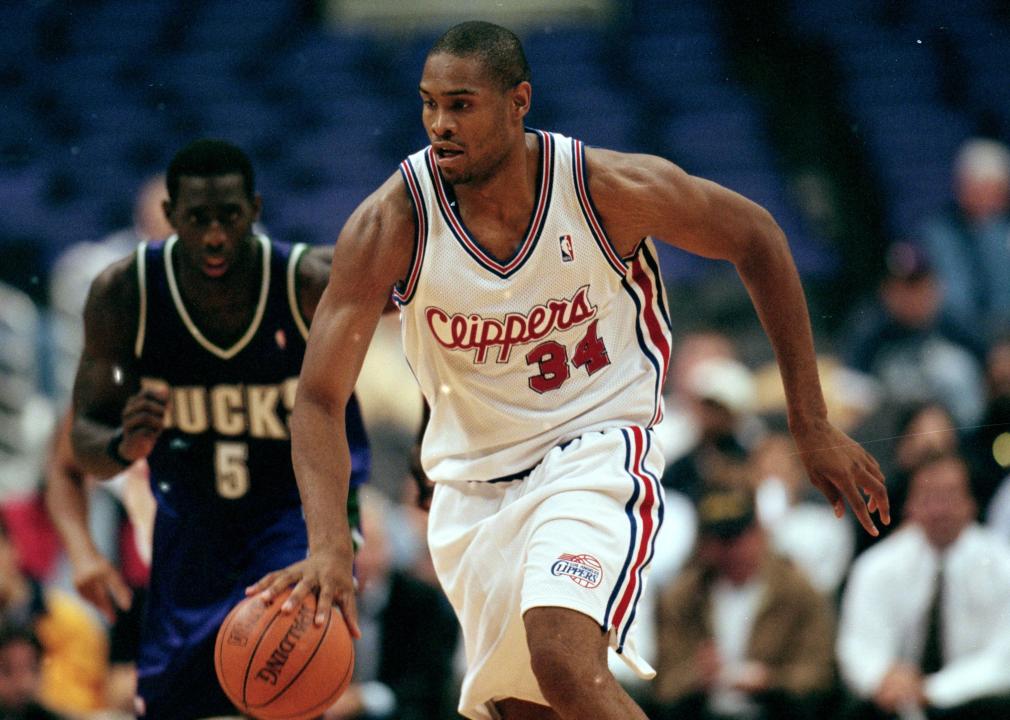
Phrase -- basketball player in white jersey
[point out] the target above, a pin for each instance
(535, 321)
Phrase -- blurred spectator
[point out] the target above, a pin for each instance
(925, 623)
(74, 668)
(911, 347)
(970, 240)
(21, 676)
(26, 415)
(801, 525)
(116, 590)
(742, 634)
(74, 270)
(403, 660)
(989, 443)
(721, 394)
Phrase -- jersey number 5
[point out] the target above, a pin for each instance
(551, 358)
(231, 470)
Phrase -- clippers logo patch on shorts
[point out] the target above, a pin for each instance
(583, 570)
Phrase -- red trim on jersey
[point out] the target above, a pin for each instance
(653, 323)
(648, 524)
(422, 232)
(539, 211)
(589, 210)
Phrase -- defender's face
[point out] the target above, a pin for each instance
(470, 120)
(214, 219)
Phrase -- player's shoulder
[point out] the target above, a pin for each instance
(617, 170)
(116, 286)
(313, 269)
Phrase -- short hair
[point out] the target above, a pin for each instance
(207, 157)
(498, 48)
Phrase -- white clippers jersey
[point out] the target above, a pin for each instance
(515, 357)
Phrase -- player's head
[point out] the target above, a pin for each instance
(475, 90)
(498, 49)
(939, 499)
(212, 205)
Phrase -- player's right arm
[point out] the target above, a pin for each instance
(115, 423)
(66, 499)
(371, 255)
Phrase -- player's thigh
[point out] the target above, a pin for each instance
(564, 644)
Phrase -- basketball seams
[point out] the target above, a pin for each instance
(263, 629)
(319, 642)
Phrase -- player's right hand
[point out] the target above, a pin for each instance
(143, 421)
(327, 575)
(101, 585)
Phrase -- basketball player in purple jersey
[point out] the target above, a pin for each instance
(191, 356)
(534, 319)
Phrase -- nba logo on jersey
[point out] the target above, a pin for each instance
(567, 252)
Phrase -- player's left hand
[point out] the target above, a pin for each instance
(844, 472)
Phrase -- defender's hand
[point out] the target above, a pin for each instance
(143, 421)
(844, 472)
(101, 585)
(327, 575)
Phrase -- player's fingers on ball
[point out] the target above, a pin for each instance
(324, 602)
(350, 611)
(298, 594)
(261, 585)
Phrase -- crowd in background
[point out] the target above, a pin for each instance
(761, 604)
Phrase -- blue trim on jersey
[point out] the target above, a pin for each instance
(660, 514)
(629, 510)
(653, 262)
(580, 178)
(403, 295)
(541, 207)
(643, 345)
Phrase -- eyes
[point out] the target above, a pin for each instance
(226, 215)
(455, 105)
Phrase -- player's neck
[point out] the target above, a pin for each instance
(507, 191)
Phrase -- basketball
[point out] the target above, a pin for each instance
(282, 667)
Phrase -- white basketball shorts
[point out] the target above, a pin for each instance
(578, 532)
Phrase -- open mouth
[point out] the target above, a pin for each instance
(447, 153)
(215, 266)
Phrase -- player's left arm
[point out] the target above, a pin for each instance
(644, 195)
(313, 274)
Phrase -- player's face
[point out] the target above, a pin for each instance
(471, 121)
(214, 219)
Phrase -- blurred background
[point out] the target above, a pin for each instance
(874, 131)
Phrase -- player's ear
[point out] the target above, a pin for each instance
(521, 96)
(257, 205)
(166, 207)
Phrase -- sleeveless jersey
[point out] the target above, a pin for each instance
(228, 509)
(517, 356)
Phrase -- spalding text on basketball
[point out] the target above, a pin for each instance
(278, 658)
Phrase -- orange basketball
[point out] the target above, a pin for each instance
(282, 667)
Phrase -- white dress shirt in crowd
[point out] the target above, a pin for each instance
(883, 618)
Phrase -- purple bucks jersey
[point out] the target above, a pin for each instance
(228, 505)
